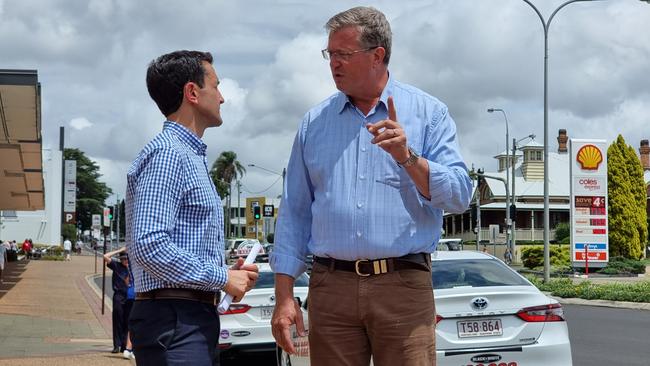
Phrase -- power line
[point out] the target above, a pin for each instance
(269, 187)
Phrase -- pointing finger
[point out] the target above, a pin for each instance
(392, 113)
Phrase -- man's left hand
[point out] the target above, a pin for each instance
(389, 134)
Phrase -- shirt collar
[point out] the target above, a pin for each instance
(343, 100)
(186, 136)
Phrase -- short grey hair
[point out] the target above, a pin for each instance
(372, 24)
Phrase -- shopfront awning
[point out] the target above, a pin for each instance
(21, 167)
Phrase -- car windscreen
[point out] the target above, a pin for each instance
(474, 273)
(267, 280)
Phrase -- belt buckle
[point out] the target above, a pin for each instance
(356, 267)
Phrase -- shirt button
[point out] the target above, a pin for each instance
(359, 204)
(362, 177)
(363, 149)
(359, 233)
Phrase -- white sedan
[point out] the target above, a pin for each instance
(488, 314)
(246, 326)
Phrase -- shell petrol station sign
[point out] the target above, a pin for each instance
(589, 225)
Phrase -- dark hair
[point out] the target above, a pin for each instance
(168, 74)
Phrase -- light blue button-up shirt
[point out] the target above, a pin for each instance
(346, 198)
(174, 220)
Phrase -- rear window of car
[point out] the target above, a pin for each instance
(473, 273)
(267, 280)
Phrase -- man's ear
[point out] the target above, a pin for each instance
(190, 92)
(379, 54)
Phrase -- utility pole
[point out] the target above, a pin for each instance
(478, 213)
(238, 208)
(117, 218)
(512, 200)
(62, 148)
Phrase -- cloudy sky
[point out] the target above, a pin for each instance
(91, 58)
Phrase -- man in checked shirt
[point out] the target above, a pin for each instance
(175, 222)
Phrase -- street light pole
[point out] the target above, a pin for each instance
(507, 182)
(546, 25)
(513, 197)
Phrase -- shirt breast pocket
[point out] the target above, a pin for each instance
(392, 175)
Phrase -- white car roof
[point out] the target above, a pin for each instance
(460, 254)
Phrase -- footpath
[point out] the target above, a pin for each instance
(50, 315)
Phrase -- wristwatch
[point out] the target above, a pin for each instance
(413, 157)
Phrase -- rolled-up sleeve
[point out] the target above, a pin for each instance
(449, 184)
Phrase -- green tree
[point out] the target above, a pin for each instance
(224, 170)
(562, 231)
(69, 232)
(91, 193)
(627, 202)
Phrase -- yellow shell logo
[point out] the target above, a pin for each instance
(589, 157)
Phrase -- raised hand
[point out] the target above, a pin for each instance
(389, 134)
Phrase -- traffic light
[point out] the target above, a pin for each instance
(257, 212)
(513, 212)
(110, 215)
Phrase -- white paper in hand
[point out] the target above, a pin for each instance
(225, 302)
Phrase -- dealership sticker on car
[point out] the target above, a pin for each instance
(266, 312)
(479, 328)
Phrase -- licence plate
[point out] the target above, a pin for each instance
(479, 328)
(266, 312)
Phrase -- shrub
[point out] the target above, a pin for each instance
(533, 256)
(622, 265)
(562, 231)
(564, 287)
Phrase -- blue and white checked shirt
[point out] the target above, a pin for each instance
(348, 199)
(174, 220)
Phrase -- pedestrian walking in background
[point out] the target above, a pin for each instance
(174, 222)
(77, 246)
(67, 248)
(507, 256)
(27, 248)
(120, 281)
(3, 259)
(371, 170)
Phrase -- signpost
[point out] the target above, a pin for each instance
(69, 191)
(107, 226)
(97, 224)
(589, 222)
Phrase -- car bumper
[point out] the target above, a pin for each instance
(233, 350)
(552, 348)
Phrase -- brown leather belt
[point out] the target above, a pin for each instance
(212, 298)
(367, 267)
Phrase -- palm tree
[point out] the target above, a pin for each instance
(224, 170)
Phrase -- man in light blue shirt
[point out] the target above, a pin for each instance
(371, 170)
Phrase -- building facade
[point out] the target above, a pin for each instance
(489, 197)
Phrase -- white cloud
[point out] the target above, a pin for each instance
(92, 56)
(80, 123)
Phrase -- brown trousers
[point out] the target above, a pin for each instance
(390, 317)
